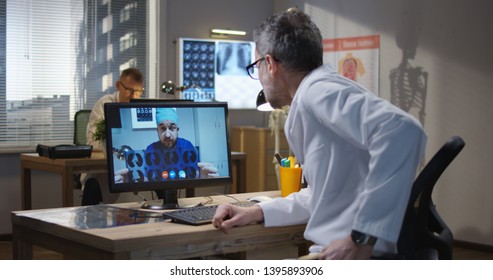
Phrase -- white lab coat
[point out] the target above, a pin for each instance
(97, 113)
(359, 155)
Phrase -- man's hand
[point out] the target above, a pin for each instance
(228, 216)
(207, 170)
(345, 249)
(121, 176)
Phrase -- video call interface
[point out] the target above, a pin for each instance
(162, 145)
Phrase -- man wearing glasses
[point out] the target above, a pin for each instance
(359, 153)
(129, 86)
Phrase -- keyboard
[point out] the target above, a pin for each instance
(199, 215)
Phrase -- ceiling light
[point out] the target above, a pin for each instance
(219, 31)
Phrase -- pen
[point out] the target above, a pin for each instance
(278, 157)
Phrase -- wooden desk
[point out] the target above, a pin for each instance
(160, 240)
(67, 167)
(64, 167)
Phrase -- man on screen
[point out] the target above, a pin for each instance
(167, 131)
(175, 150)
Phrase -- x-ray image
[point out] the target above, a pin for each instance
(198, 64)
(214, 69)
(232, 58)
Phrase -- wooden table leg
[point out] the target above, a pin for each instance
(21, 250)
(68, 187)
(26, 197)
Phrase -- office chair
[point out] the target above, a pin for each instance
(81, 119)
(424, 235)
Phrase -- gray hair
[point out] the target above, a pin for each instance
(292, 39)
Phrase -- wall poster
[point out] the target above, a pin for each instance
(356, 58)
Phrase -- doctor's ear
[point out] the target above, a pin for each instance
(272, 64)
(269, 59)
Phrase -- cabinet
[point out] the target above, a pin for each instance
(211, 135)
(259, 145)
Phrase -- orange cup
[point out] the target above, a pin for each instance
(290, 178)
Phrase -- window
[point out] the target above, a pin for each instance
(128, 41)
(126, 12)
(107, 24)
(62, 56)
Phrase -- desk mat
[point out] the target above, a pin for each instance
(97, 216)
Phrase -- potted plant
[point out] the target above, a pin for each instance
(100, 134)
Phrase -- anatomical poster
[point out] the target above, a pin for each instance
(355, 58)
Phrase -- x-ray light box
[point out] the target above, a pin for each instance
(218, 68)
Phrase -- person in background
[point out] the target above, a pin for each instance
(129, 86)
(359, 153)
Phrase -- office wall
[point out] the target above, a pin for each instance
(450, 42)
(447, 40)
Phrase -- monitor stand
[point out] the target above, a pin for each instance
(170, 201)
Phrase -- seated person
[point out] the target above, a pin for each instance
(359, 152)
(129, 86)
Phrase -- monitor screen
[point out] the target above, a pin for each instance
(163, 145)
(217, 67)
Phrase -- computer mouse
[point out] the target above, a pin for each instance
(260, 198)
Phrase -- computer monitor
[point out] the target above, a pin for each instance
(165, 146)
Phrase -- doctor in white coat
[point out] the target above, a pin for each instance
(359, 153)
(95, 185)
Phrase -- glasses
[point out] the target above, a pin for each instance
(162, 127)
(137, 92)
(252, 69)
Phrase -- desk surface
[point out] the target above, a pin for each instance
(158, 240)
(96, 160)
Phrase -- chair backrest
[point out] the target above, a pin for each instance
(80, 126)
(424, 234)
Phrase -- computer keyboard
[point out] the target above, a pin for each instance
(199, 215)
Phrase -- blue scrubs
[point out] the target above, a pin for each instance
(179, 162)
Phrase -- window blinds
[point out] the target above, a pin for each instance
(60, 56)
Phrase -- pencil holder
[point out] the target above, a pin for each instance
(290, 178)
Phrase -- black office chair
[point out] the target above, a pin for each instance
(424, 235)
